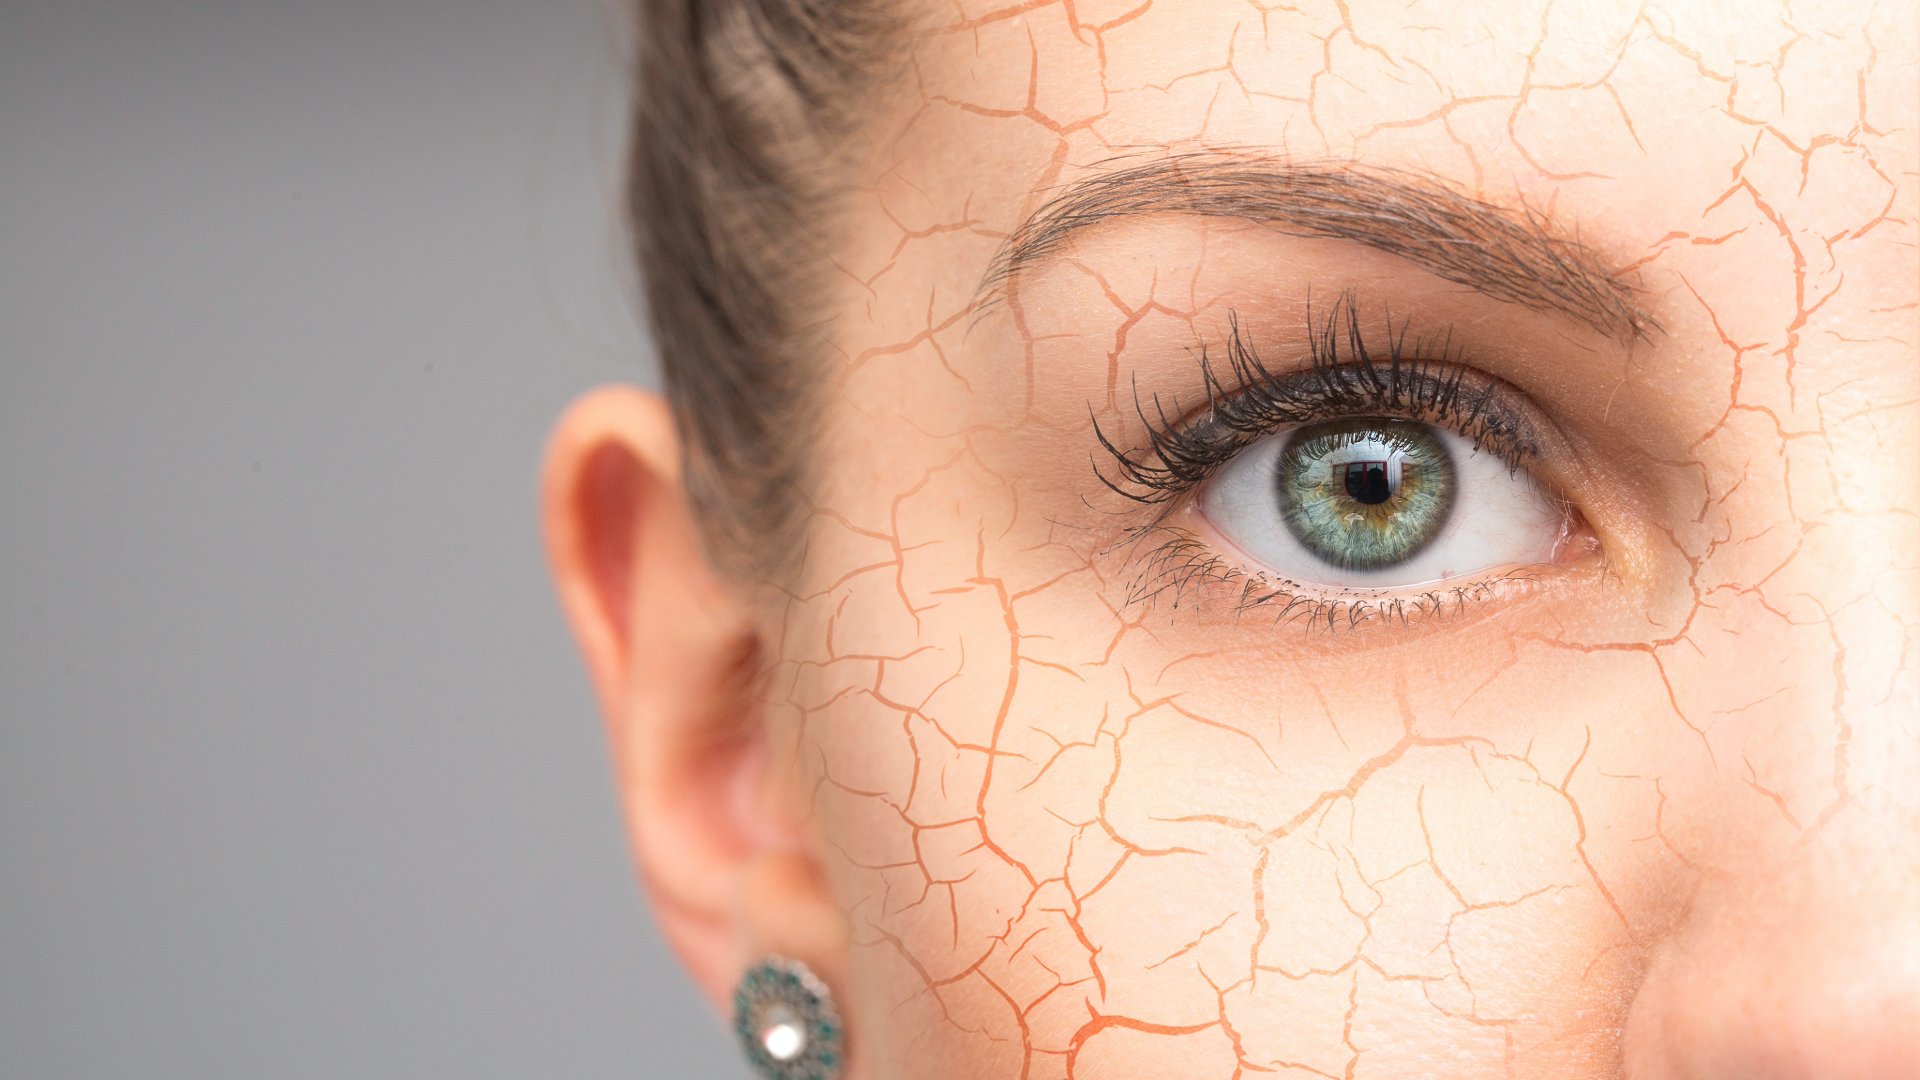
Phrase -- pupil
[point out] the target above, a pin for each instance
(1366, 482)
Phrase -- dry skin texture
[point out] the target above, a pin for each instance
(1108, 809)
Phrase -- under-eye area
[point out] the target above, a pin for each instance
(1374, 482)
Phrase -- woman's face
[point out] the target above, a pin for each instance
(1372, 540)
(1585, 734)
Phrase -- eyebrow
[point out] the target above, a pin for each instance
(1511, 256)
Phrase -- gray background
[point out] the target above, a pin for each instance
(299, 775)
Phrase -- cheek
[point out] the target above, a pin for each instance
(1068, 832)
(1059, 827)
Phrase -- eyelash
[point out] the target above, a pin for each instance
(1182, 562)
(1417, 379)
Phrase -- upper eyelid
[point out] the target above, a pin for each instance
(1489, 402)
(1180, 453)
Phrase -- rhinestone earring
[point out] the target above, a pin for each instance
(786, 1022)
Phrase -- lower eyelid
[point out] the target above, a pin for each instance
(1178, 568)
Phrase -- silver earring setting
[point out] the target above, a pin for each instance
(786, 1021)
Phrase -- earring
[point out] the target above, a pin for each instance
(787, 1023)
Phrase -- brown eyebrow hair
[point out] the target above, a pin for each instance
(1512, 256)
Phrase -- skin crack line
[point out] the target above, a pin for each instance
(1220, 540)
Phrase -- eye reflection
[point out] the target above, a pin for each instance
(1367, 481)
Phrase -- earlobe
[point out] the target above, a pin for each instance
(673, 656)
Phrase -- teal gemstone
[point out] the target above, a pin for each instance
(784, 991)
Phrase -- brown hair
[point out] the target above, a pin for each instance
(742, 106)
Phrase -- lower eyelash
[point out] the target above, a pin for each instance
(1180, 565)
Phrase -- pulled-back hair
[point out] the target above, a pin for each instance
(741, 111)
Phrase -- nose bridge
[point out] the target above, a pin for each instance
(1878, 711)
(1829, 935)
(1868, 558)
(1803, 961)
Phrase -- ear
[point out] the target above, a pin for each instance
(717, 828)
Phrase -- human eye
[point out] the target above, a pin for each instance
(1374, 483)
(1381, 503)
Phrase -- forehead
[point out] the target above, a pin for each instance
(1630, 121)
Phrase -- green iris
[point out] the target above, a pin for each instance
(1365, 493)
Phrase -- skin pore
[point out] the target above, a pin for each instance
(1051, 776)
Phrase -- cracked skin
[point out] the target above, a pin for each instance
(1042, 807)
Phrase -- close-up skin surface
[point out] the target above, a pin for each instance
(1361, 540)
